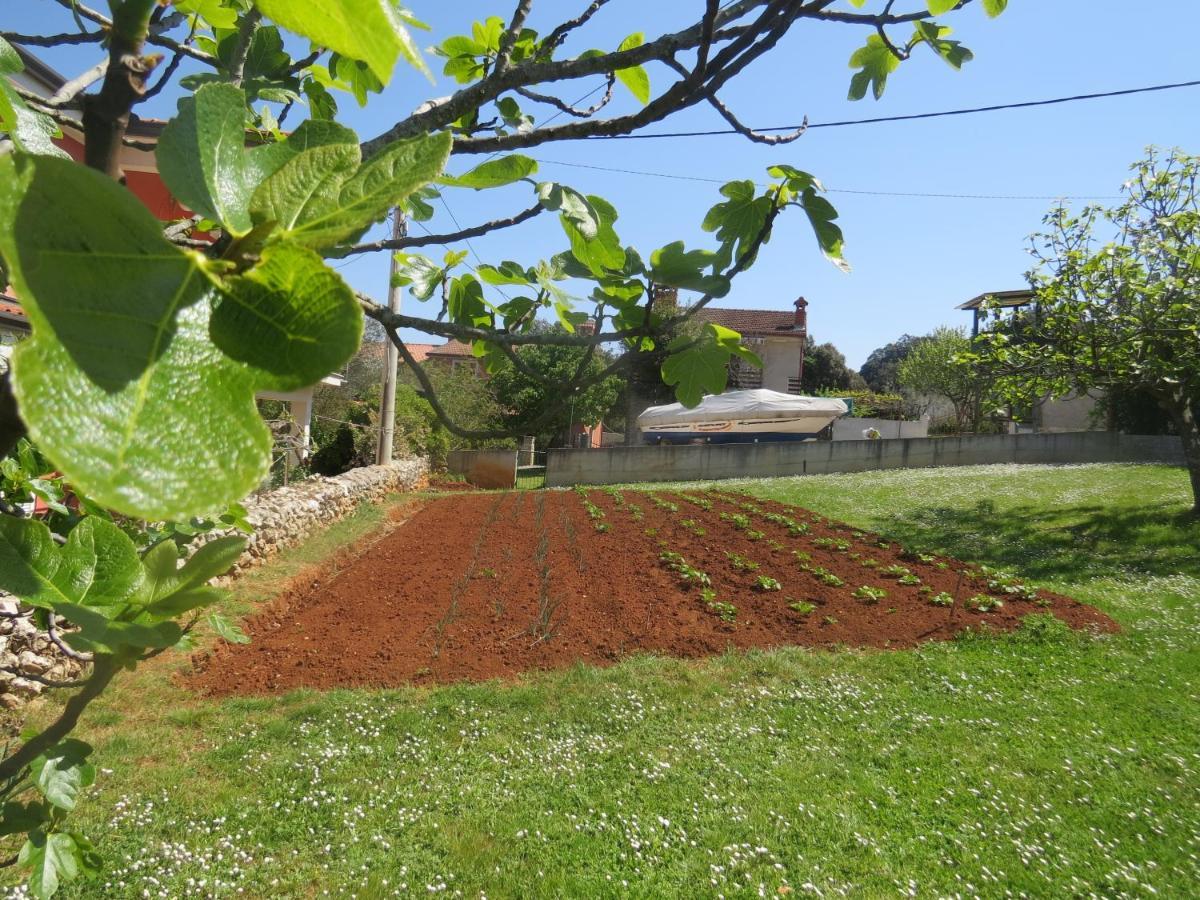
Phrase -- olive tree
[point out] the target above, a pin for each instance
(1116, 301)
(150, 340)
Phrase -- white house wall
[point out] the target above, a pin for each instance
(781, 361)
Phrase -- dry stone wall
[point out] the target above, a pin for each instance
(282, 518)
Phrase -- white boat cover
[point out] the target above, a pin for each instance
(759, 404)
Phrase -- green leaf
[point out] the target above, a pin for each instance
(602, 252)
(211, 561)
(675, 267)
(465, 304)
(572, 205)
(635, 77)
(100, 634)
(322, 196)
(738, 221)
(63, 771)
(98, 565)
(291, 317)
(698, 370)
(876, 62)
(934, 35)
(152, 420)
(30, 130)
(20, 818)
(202, 156)
(10, 60)
(214, 12)
(227, 630)
(183, 602)
(421, 272)
(994, 7)
(51, 860)
(508, 272)
(494, 173)
(357, 78)
(937, 7)
(368, 30)
(829, 236)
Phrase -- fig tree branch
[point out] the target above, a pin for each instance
(427, 239)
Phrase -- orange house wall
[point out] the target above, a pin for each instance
(146, 186)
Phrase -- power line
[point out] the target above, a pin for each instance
(1026, 104)
(700, 178)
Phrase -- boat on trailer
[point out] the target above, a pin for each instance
(741, 417)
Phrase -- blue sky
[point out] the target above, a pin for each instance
(914, 259)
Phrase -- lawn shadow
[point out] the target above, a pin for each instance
(1065, 543)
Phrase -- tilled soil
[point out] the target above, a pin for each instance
(490, 585)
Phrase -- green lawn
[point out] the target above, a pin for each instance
(1042, 764)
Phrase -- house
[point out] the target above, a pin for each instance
(779, 337)
(1072, 412)
(454, 355)
(141, 177)
(13, 326)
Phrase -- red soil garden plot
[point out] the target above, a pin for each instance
(490, 585)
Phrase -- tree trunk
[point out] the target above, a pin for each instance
(1182, 413)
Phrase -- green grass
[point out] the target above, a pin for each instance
(1045, 763)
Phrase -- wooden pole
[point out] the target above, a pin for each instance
(387, 411)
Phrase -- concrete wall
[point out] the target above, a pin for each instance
(848, 429)
(711, 461)
(485, 468)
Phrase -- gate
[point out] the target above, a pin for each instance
(531, 470)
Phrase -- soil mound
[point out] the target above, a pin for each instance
(490, 585)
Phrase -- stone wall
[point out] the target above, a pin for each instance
(281, 518)
(286, 516)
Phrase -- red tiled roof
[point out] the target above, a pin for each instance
(752, 321)
(450, 348)
(11, 311)
(420, 352)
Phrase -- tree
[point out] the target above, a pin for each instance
(525, 389)
(149, 343)
(881, 370)
(933, 366)
(1116, 302)
(825, 369)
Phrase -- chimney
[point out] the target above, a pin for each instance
(801, 326)
(666, 299)
(801, 322)
(587, 327)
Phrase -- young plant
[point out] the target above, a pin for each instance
(984, 603)
(690, 576)
(894, 571)
(754, 535)
(803, 607)
(869, 595)
(909, 579)
(942, 599)
(741, 563)
(826, 577)
(727, 612)
(766, 583)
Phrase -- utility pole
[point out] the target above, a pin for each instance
(387, 412)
